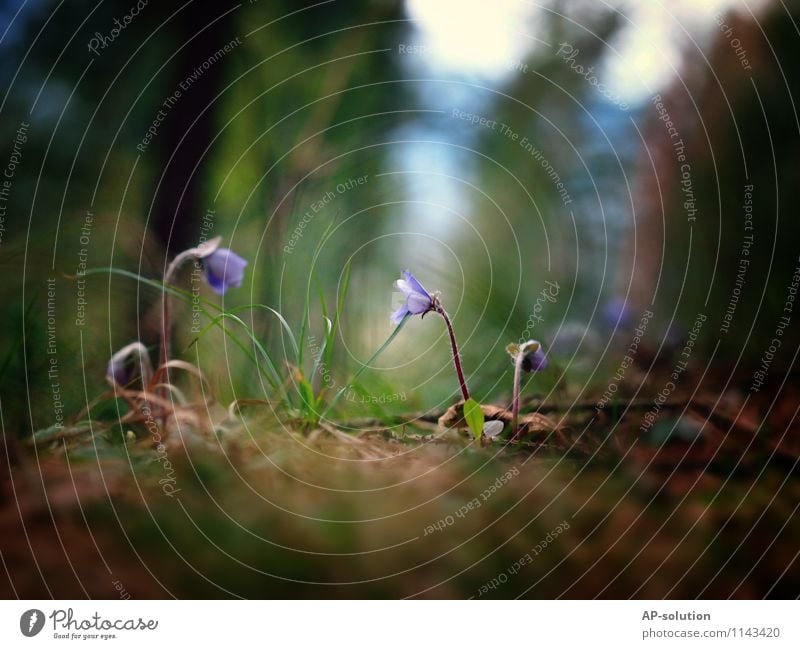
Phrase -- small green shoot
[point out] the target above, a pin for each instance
(473, 415)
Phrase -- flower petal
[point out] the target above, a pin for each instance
(415, 284)
(418, 304)
(535, 361)
(397, 316)
(404, 287)
(418, 300)
(120, 372)
(492, 428)
(117, 372)
(224, 269)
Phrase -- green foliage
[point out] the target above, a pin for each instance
(473, 415)
(303, 402)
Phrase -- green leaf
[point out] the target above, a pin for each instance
(473, 414)
(307, 395)
(341, 295)
(272, 375)
(320, 356)
(312, 276)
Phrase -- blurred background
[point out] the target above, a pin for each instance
(504, 149)
(557, 169)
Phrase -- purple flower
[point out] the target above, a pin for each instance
(527, 357)
(616, 313)
(418, 300)
(534, 359)
(224, 269)
(124, 365)
(118, 372)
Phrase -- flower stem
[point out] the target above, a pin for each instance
(515, 402)
(198, 252)
(456, 358)
(169, 279)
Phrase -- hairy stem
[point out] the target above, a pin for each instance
(202, 251)
(515, 402)
(456, 358)
(169, 279)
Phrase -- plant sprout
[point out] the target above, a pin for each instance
(527, 357)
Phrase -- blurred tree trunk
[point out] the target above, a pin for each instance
(204, 27)
(736, 123)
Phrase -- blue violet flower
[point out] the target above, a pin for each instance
(418, 300)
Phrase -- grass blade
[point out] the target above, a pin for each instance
(364, 366)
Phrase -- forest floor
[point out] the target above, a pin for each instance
(701, 504)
